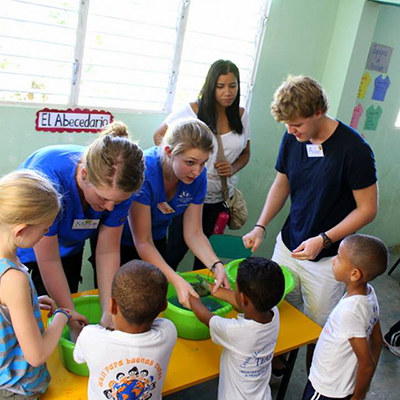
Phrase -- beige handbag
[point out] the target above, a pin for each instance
(237, 204)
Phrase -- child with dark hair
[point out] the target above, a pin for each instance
(140, 341)
(249, 341)
(348, 349)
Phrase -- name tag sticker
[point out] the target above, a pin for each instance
(165, 208)
(315, 150)
(85, 223)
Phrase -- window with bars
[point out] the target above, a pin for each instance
(144, 55)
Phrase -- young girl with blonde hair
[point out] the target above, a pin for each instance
(28, 206)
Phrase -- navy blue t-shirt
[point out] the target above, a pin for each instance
(321, 188)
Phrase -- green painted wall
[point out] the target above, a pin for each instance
(327, 39)
(385, 141)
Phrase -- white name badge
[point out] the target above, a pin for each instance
(315, 150)
(85, 223)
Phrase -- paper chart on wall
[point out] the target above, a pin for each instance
(364, 82)
(357, 112)
(379, 57)
(373, 114)
(381, 86)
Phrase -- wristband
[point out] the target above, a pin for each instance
(64, 311)
(262, 227)
(212, 268)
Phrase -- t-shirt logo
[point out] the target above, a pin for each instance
(185, 197)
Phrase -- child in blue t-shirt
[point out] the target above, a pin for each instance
(28, 206)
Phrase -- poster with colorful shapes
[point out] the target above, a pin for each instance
(373, 114)
(362, 89)
(357, 112)
(381, 86)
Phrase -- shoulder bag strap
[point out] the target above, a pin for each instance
(221, 157)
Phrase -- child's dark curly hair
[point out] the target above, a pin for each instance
(140, 290)
(262, 281)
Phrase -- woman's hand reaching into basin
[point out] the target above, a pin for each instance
(221, 280)
(184, 291)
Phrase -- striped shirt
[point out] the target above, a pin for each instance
(16, 375)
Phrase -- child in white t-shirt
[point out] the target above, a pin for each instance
(249, 341)
(348, 349)
(131, 361)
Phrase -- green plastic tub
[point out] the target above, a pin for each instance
(90, 307)
(186, 323)
(232, 269)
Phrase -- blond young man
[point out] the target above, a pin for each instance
(328, 171)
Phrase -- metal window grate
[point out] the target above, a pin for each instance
(126, 54)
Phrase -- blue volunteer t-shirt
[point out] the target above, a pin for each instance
(59, 164)
(152, 193)
(321, 188)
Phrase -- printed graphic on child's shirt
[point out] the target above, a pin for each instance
(255, 366)
(130, 379)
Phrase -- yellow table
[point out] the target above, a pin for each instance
(194, 362)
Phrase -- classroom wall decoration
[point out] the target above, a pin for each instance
(373, 114)
(72, 120)
(379, 57)
(357, 112)
(381, 86)
(362, 89)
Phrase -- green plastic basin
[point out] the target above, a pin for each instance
(232, 269)
(90, 307)
(186, 323)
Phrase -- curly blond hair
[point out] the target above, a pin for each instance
(298, 97)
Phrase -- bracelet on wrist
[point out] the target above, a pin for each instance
(262, 227)
(212, 268)
(64, 311)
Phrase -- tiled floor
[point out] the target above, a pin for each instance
(386, 382)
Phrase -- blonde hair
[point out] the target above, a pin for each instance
(113, 160)
(27, 197)
(298, 97)
(188, 134)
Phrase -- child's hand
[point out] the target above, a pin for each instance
(194, 300)
(46, 303)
